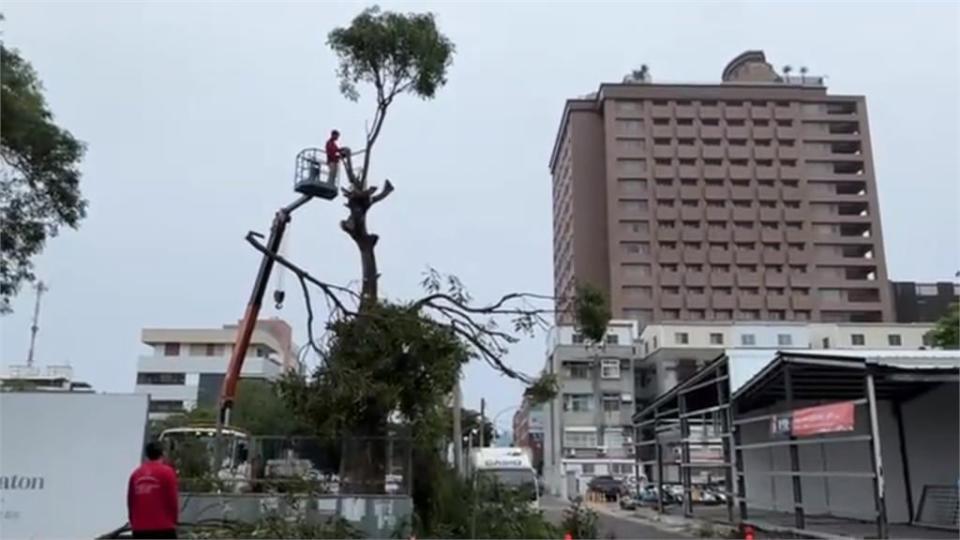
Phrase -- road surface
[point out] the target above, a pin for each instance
(612, 522)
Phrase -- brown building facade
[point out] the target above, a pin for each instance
(751, 199)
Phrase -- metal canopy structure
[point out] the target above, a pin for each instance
(694, 418)
(839, 375)
(789, 384)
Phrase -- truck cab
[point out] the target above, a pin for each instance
(510, 468)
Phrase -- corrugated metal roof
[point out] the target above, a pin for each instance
(897, 358)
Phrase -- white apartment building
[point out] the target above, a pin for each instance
(186, 366)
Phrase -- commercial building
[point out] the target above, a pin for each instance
(586, 428)
(753, 198)
(923, 302)
(186, 366)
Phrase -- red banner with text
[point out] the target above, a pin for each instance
(823, 419)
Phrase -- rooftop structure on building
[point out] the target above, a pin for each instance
(750, 198)
(923, 302)
(186, 366)
(51, 378)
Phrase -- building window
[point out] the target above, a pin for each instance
(926, 289)
(579, 371)
(716, 339)
(577, 402)
(826, 343)
(212, 349)
(580, 439)
(748, 340)
(857, 339)
(722, 314)
(611, 402)
(613, 339)
(784, 339)
(681, 338)
(928, 339)
(166, 406)
(610, 369)
(587, 468)
(577, 338)
(162, 378)
(894, 340)
(621, 468)
(171, 349)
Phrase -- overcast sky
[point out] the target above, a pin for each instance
(193, 114)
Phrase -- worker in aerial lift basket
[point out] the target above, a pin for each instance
(334, 153)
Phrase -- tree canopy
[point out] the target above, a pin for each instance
(946, 333)
(40, 179)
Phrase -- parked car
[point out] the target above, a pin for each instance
(610, 487)
(648, 496)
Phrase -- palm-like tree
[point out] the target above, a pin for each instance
(786, 71)
(803, 74)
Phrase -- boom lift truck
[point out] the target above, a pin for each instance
(311, 179)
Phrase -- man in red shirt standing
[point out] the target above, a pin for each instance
(152, 501)
(333, 156)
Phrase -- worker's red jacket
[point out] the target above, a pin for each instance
(152, 502)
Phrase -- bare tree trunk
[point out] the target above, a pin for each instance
(356, 226)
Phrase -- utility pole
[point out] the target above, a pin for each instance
(483, 419)
(457, 430)
(41, 288)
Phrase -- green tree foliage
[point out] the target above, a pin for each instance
(946, 334)
(40, 180)
(592, 312)
(258, 409)
(461, 508)
(386, 359)
(394, 52)
(470, 422)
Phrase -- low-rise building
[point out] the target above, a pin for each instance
(186, 366)
(587, 426)
(24, 378)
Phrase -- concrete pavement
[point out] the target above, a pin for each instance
(612, 522)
